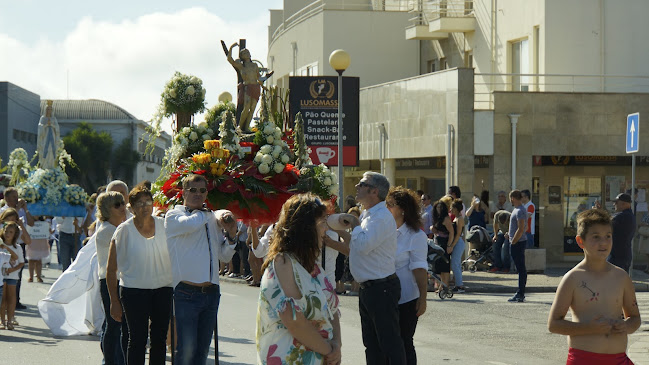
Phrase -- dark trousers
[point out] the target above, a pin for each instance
(408, 324)
(20, 274)
(518, 255)
(140, 307)
(114, 335)
(241, 253)
(378, 306)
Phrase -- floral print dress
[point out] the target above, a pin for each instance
(319, 304)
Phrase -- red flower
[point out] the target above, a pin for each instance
(228, 186)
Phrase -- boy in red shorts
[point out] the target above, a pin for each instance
(600, 296)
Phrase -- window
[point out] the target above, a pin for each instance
(520, 65)
(442, 63)
(430, 67)
(580, 194)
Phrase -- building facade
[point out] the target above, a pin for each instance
(507, 94)
(19, 115)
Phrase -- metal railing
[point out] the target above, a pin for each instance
(428, 10)
(485, 84)
(352, 5)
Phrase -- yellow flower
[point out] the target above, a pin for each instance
(202, 158)
(211, 144)
(214, 168)
(217, 153)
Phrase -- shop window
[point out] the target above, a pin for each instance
(580, 194)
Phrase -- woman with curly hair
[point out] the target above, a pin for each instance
(411, 264)
(297, 317)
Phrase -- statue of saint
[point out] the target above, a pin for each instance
(48, 139)
(249, 88)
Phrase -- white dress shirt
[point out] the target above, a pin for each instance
(373, 245)
(142, 263)
(66, 224)
(412, 250)
(189, 251)
(104, 234)
(264, 243)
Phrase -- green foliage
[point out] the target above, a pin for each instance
(183, 94)
(125, 161)
(214, 114)
(91, 152)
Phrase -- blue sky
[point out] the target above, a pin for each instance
(124, 51)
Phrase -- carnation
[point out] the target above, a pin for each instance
(263, 168)
(278, 167)
(258, 157)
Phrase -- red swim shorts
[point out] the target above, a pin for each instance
(581, 357)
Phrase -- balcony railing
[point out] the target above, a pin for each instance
(485, 84)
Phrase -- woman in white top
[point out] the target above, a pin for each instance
(9, 235)
(410, 263)
(138, 255)
(111, 212)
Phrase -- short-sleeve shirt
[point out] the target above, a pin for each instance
(103, 237)
(142, 263)
(518, 214)
(5, 257)
(531, 220)
(503, 227)
(319, 304)
(21, 260)
(412, 249)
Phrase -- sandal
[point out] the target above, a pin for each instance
(14, 322)
(40, 280)
(10, 326)
(3, 326)
(31, 280)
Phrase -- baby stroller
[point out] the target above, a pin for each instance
(480, 250)
(436, 253)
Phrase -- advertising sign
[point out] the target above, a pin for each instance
(316, 97)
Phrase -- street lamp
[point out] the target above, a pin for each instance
(339, 61)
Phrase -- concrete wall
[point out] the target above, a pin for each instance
(19, 112)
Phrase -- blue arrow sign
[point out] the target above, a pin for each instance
(632, 132)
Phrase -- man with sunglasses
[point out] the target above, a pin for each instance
(196, 244)
(373, 247)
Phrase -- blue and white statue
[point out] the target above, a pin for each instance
(48, 139)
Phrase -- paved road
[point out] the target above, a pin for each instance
(468, 329)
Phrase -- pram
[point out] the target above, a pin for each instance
(480, 250)
(435, 253)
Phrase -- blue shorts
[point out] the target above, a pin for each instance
(11, 281)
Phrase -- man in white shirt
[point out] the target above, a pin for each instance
(373, 248)
(502, 204)
(196, 244)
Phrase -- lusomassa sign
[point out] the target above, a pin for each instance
(316, 97)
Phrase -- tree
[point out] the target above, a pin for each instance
(125, 161)
(91, 152)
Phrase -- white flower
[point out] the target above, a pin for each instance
(326, 172)
(269, 129)
(183, 141)
(263, 168)
(270, 139)
(203, 93)
(194, 80)
(202, 125)
(308, 150)
(206, 137)
(327, 181)
(333, 189)
(172, 93)
(276, 151)
(285, 158)
(193, 136)
(278, 133)
(278, 142)
(267, 159)
(190, 90)
(186, 130)
(278, 167)
(258, 157)
(333, 177)
(265, 149)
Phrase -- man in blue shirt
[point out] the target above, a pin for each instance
(517, 238)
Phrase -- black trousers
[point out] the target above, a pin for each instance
(408, 323)
(114, 337)
(378, 306)
(140, 306)
(518, 255)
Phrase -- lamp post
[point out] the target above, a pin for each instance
(339, 61)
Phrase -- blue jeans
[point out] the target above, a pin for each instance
(195, 322)
(111, 339)
(1, 289)
(518, 255)
(501, 254)
(68, 248)
(530, 240)
(456, 261)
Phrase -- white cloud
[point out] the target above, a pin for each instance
(128, 63)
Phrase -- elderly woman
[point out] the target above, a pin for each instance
(297, 318)
(138, 254)
(411, 264)
(111, 212)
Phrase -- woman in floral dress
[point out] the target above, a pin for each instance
(297, 317)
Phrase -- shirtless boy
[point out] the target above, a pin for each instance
(600, 296)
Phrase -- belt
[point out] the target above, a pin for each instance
(198, 289)
(368, 283)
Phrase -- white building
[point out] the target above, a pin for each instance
(504, 94)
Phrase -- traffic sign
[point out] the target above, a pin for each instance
(632, 132)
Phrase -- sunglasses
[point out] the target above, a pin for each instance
(363, 184)
(147, 203)
(118, 205)
(197, 190)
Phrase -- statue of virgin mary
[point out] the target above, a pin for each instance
(48, 139)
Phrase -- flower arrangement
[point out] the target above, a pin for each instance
(230, 134)
(319, 180)
(300, 149)
(53, 181)
(75, 195)
(28, 192)
(19, 165)
(274, 153)
(183, 94)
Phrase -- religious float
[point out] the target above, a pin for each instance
(250, 171)
(45, 187)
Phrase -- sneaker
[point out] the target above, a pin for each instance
(516, 299)
(494, 269)
(505, 271)
(20, 306)
(458, 289)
